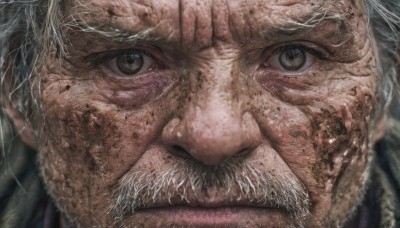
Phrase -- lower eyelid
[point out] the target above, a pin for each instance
(134, 92)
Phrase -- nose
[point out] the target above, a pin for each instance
(213, 129)
(212, 137)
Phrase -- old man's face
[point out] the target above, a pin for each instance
(208, 113)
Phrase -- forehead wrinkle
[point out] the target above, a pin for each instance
(284, 25)
(123, 21)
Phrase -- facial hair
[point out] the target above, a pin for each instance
(186, 180)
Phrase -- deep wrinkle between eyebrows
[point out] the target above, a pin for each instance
(324, 23)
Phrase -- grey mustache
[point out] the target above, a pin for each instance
(187, 181)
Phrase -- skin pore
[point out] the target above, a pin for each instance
(211, 90)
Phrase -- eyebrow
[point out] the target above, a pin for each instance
(310, 21)
(287, 27)
(122, 36)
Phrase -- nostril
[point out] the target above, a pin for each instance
(179, 151)
(242, 152)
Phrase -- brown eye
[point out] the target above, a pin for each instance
(290, 59)
(132, 62)
(293, 59)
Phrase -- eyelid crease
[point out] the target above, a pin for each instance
(318, 52)
(96, 59)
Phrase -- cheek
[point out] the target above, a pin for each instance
(325, 143)
(341, 133)
(89, 144)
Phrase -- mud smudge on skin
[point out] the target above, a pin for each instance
(334, 137)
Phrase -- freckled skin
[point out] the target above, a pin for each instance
(315, 124)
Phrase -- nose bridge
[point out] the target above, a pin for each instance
(216, 105)
(213, 121)
(221, 95)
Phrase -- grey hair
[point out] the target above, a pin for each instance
(28, 30)
(384, 18)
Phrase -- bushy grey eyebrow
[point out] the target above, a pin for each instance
(291, 27)
(119, 35)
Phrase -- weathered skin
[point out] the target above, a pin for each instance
(211, 95)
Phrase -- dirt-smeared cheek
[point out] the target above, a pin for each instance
(341, 143)
(89, 133)
(341, 133)
(323, 136)
(78, 143)
(88, 146)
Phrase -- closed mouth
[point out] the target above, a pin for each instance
(221, 216)
(205, 212)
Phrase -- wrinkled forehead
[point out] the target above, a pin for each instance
(200, 23)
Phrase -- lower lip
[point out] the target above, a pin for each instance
(202, 216)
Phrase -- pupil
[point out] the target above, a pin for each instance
(130, 63)
(293, 59)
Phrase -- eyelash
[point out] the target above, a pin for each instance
(284, 48)
(100, 58)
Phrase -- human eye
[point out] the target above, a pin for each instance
(132, 62)
(127, 63)
(292, 58)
